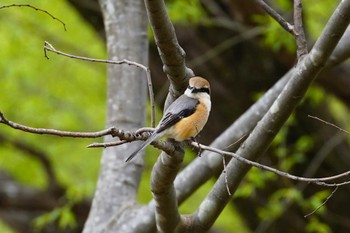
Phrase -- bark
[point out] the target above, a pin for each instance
(126, 32)
(262, 135)
(116, 210)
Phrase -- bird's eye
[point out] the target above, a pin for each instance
(201, 90)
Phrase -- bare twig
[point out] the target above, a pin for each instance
(330, 124)
(287, 26)
(143, 134)
(106, 144)
(49, 47)
(299, 32)
(138, 132)
(325, 201)
(37, 9)
(61, 133)
(224, 171)
(124, 136)
(318, 181)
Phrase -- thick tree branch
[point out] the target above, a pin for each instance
(342, 51)
(261, 137)
(163, 175)
(210, 164)
(173, 59)
(171, 53)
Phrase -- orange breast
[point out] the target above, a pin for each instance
(190, 126)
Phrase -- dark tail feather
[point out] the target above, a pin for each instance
(144, 144)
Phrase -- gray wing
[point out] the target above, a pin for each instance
(182, 107)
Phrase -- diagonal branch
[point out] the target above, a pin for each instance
(279, 19)
(173, 59)
(210, 164)
(297, 30)
(162, 178)
(171, 53)
(318, 181)
(259, 140)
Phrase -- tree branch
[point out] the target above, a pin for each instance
(173, 59)
(261, 137)
(171, 53)
(327, 199)
(279, 19)
(163, 175)
(328, 123)
(299, 29)
(37, 9)
(317, 181)
(342, 51)
(111, 131)
(125, 136)
(202, 169)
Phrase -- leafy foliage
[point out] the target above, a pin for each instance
(316, 14)
(58, 93)
(186, 11)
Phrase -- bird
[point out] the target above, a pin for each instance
(185, 117)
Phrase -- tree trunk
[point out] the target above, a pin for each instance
(126, 33)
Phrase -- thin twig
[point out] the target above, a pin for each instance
(287, 26)
(125, 136)
(168, 148)
(318, 181)
(138, 136)
(110, 131)
(299, 29)
(330, 124)
(325, 201)
(37, 9)
(106, 144)
(235, 143)
(49, 47)
(224, 171)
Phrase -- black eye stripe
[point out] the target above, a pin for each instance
(203, 89)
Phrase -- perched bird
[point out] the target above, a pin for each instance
(185, 117)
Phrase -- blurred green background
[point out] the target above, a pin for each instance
(67, 94)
